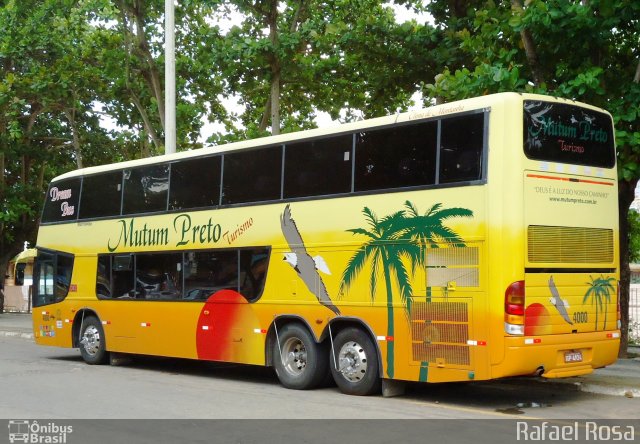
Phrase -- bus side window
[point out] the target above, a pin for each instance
(253, 271)
(122, 276)
(159, 276)
(461, 148)
(198, 271)
(44, 271)
(101, 195)
(52, 277)
(64, 269)
(208, 272)
(318, 167)
(396, 157)
(103, 278)
(195, 183)
(145, 189)
(242, 168)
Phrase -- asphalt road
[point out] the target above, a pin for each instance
(55, 384)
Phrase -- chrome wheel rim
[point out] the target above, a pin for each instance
(294, 356)
(91, 340)
(352, 361)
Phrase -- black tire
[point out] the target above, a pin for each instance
(357, 372)
(93, 346)
(300, 362)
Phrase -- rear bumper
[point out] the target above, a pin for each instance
(545, 355)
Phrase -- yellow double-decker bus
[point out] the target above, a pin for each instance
(467, 241)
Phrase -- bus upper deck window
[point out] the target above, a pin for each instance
(461, 143)
(145, 189)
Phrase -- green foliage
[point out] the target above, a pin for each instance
(634, 236)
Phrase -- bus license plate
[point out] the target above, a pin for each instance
(573, 357)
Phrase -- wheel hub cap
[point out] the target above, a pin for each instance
(352, 361)
(91, 340)
(294, 356)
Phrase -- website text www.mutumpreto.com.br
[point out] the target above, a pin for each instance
(573, 200)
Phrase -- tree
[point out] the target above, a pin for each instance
(130, 33)
(44, 108)
(541, 46)
(634, 236)
(288, 60)
(63, 60)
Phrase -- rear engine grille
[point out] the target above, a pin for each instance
(569, 244)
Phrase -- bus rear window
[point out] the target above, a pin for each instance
(558, 132)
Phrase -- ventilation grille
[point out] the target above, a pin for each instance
(429, 332)
(569, 244)
(453, 264)
(439, 311)
(439, 332)
(449, 354)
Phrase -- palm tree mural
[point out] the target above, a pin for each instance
(383, 250)
(401, 235)
(429, 229)
(599, 292)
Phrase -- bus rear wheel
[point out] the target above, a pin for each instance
(92, 342)
(356, 372)
(300, 362)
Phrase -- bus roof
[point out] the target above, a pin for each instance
(425, 113)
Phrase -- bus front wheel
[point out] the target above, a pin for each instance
(92, 342)
(300, 362)
(356, 371)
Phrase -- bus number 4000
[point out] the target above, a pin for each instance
(580, 317)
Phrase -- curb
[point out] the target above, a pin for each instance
(598, 388)
(608, 390)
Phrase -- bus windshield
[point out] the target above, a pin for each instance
(558, 132)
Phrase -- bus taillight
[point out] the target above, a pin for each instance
(514, 308)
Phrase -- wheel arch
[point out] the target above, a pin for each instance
(279, 322)
(343, 322)
(82, 314)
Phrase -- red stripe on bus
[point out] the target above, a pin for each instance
(564, 179)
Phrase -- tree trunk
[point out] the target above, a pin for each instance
(134, 13)
(275, 102)
(266, 115)
(529, 48)
(146, 121)
(626, 194)
(272, 20)
(70, 114)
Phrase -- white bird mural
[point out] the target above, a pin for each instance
(560, 304)
(301, 261)
(292, 259)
